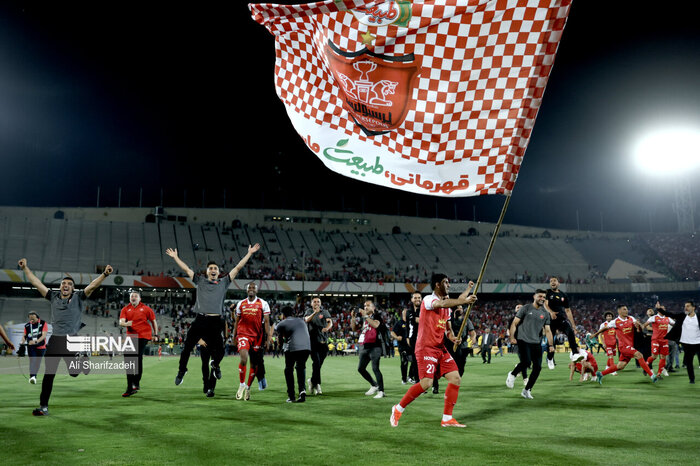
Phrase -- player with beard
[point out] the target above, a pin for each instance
(431, 352)
(67, 307)
(412, 318)
(530, 321)
(208, 327)
(624, 326)
(319, 323)
(557, 304)
(248, 333)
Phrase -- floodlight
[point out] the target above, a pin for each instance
(668, 152)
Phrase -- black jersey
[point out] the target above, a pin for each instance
(557, 302)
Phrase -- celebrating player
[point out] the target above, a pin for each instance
(208, 326)
(431, 351)
(529, 323)
(587, 368)
(609, 339)
(248, 332)
(624, 327)
(563, 320)
(67, 307)
(659, 344)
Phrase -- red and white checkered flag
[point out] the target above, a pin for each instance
(434, 97)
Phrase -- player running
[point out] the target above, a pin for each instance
(248, 332)
(609, 340)
(624, 327)
(430, 349)
(659, 344)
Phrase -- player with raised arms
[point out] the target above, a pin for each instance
(67, 307)
(208, 326)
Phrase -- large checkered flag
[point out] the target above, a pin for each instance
(434, 97)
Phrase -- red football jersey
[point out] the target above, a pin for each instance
(659, 326)
(433, 323)
(590, 359)
(624, 329)
(140, 316)
(608, 335)
(250, 317)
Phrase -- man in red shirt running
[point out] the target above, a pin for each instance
(430, 349)
(624, 327)
(248, 332)
(659, 344)
(138, 320)
(609, 339)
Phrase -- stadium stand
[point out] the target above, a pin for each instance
(306, 246)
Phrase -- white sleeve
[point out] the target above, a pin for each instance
(429, 300)
(610, 324)
(238, 308)
(671, 321)
(603, 325)
(651, 320)
(266, 308)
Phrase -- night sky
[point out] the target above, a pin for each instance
(181, 98)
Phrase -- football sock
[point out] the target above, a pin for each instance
(645, 366)
(662, 364)
(451, 394)
(241, 372)
(251, 376)
(414, 392)
(612, 368)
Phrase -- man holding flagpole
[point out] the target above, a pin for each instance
(431, 352)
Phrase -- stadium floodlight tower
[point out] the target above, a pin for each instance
(674, 154)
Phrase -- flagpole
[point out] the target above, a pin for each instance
(483, 266)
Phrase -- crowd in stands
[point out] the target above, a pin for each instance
(679, 252)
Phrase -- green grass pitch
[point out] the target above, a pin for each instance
(627, 420)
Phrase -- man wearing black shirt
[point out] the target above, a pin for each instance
(400, 334)
(370, 347)
(412, 314)
(320, 323)
(557, 304)
(34, 337)
(460, 356)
